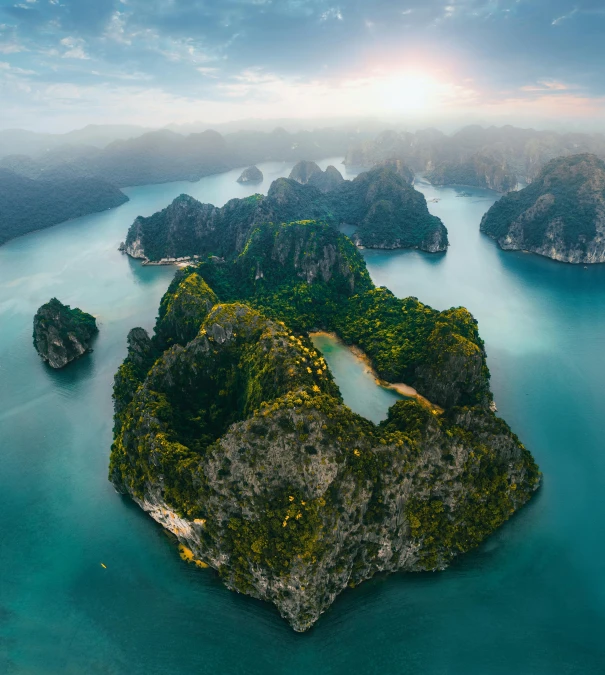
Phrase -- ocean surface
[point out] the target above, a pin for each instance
(529, 601)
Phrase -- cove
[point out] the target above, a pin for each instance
(354, 378)
(531, 600)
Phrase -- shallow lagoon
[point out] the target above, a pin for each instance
(357, 383)
(531, 600)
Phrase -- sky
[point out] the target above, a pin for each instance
(68, 63)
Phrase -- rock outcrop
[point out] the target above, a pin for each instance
(477, 171)
(62, 334)
(251, 175)
(309, 173)
(238, 442)
(561, 215)
(304, 171)
(388, 213)
(401, 168)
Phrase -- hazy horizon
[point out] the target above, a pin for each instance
(294, 125)
(65, 64)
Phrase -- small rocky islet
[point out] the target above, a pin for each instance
(251, 175)
(231, 432)
(62, 334)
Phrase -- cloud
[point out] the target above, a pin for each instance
(565, 17)
(11, 48)
(547, 85)
(331, 13)
(116, 28)
(75, 48)
(209, 72)
(6, 67)
(262, 52)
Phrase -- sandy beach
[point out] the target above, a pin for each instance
(399, 387)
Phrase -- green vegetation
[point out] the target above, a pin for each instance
(183, 308)
(62, 334)
(229, 418)
(438, 353)
(387, 211)
(486, 495)
(568, 195)
(27, 205)
(311, 277)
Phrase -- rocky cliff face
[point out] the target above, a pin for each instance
(251, 175)
(309, 173)
(477, 171)
(238, 442)
(187, 227)
(301, 251)
(399, 167)
(304, 171)
(388, 211)
(285, 491)
(561, 215)
(62, 334)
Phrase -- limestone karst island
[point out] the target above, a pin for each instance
(62, 334)
(302, 335)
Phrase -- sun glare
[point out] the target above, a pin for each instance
(408, 92)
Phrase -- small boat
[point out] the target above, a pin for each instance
(104, 566)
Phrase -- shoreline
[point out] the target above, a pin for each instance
(400, 387)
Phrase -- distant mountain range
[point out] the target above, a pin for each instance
(494, 157)
(22, 142)
(105, 158)
(164, 156)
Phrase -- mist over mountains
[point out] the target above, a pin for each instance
(492, 157)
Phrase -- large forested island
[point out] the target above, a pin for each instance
(561, 215)
(386, 211)
(27, 205)
(231, 433)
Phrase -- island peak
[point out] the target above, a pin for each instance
(62, 334)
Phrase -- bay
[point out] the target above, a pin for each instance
(530, 600)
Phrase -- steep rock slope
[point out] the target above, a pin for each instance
(388, 213)
(477, 171)
(238, 442)
(62, 334)
(561, 215)
(251, 175)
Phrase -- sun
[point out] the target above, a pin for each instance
(409, 92)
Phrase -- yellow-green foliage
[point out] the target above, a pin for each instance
(235, 383)
(183, 308)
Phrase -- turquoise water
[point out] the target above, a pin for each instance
(531, 600)
(357, 383)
